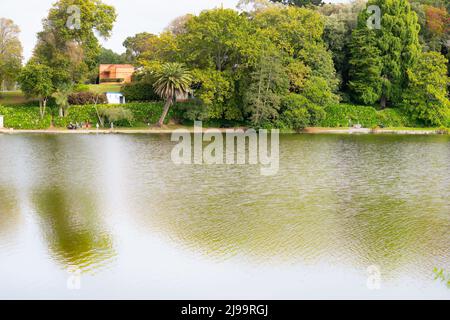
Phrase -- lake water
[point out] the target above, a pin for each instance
(111, 216)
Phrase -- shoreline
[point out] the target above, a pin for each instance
(312, 130)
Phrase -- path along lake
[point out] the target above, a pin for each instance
(110, 216)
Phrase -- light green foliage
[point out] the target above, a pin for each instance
(300, 3)
(344, 115)
(145, 48)
(317, 91)
(298, 73)
(426, 98)
(298, 112)
(35, 81)
(72, 52)
(24, 117)
(214, 39)
(137, 45)
(215, 89)
(298, 32)
(10, 53)
(441, 275)
(27, 117)
(381, 57)
(222, 48)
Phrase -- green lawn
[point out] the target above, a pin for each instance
(411, 128)
(103, 88)
(13, 98)
(18, 98)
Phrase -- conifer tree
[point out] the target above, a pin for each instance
(380, 57)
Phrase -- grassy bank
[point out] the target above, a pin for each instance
(27, 117)
(14, 98)
(144, 114)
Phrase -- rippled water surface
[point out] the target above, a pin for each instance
(112, 215)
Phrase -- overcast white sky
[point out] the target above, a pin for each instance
(134, 16)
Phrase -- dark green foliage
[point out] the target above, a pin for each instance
(268, 84)
(141, 91)
(107, 56)
(365, 67)
(86, 97)
(118, 115)
(381, 57)
(111, 80)
(300, 3)
(298, 112)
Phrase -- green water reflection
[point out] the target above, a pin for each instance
(350, 200)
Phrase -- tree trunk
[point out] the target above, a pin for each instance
(42, 108)
(165, 111)
(383, 102)
(43, 105)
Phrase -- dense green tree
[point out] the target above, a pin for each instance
(298, 32)
(426, 98)
(68, 42)
(173, 80)
(298, 112)
(221, 46)
(137, 45)
(268, 84)
(215, 39)
(300, 3)
(10, 53)
(215, 89)
(381, 57)
(340, 20)
(318, 92)
(366, 67)
(108, 56)
(35, 81)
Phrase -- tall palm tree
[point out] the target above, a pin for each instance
(172, 80)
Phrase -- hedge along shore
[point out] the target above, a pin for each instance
(154, 130)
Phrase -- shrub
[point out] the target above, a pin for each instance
(142, 114)
(298, 112)
(118, 115)
(344, 115)
(297, 118)
(111, 80)
(139, 91)
(395, 118)
(319, 92)
(24, 117)
(84, 98)
(81, 88)
(192, 111)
